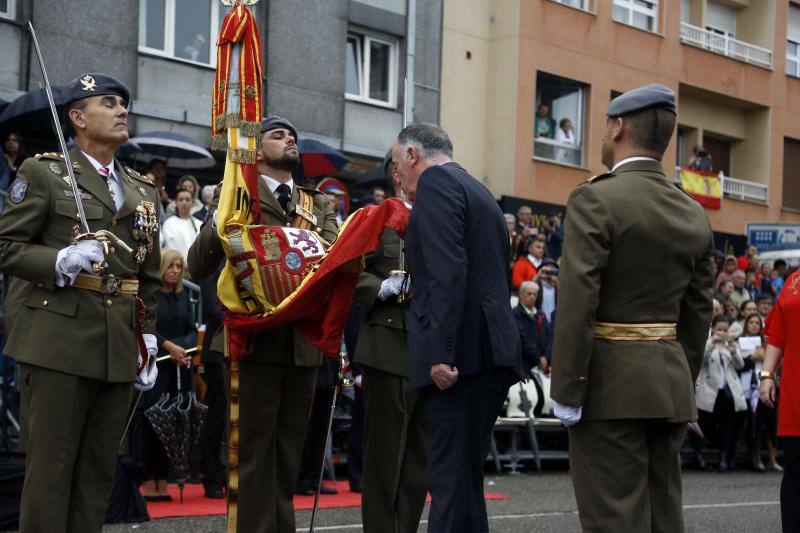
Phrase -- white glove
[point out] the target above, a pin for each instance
(72, 259)
(146, 379)
(393, 285)
(569, 416)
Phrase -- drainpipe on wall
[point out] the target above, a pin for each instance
(411, 45)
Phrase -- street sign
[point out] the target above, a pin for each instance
(768, 237)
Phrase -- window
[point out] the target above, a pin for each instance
(7, 9)
(181, 29)
(371, 67)
(721, 19)
(639, 13)
(791, 185)
(558, 121)
(578, 4)
(793, 42)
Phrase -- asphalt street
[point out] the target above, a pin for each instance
(729, 503)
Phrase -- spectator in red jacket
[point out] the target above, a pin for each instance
(526, 266)
(743, 262)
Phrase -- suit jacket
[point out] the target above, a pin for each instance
(534, 336)
(637, 249)
(281, 345)
(71, 330)
(457, 249)
(382, 340)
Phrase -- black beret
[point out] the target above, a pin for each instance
(650, 96)
(273, 122)
(93, 84)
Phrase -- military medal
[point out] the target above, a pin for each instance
(145, 222)
(54, 168)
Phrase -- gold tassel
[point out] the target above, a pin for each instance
(241, 155)
(219, 142)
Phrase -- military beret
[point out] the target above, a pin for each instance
(273, 122)
(93, 84)
(650, 96)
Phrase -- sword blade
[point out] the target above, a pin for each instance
(59, 132)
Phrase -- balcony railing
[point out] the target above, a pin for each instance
(746, 191)
(559, 152)
(725, 45)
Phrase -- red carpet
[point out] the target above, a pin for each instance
(196, 504)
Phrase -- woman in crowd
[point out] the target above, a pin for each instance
(783, 347)
(724, 292)
(175, 332)
(728, 268)
(180, 231)
(731, 311)
(717, 308)
(13, 156)
(747, 308)
(187, 183)
(719, 394)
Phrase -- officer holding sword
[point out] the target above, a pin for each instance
(83, 335)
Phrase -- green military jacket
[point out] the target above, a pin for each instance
(72, 330)
(281, 345)
(637, 249)
(382, 341)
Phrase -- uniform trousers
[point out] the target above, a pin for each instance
(72, 427)
(394, 475)
(627, 475)
(214, 429)
(460, 421)
(274, 409)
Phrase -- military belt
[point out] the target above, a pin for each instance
(109, 284)
(635, 332)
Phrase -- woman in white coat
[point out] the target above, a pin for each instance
(719, 393)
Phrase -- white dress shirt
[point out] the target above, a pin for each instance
(632, 159)
(273, 184)
(113, 179)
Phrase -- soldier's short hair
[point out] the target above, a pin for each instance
(651, 129)
(69, 128)
(428, 139)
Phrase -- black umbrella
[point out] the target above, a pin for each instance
(374, 176)
(30, 114)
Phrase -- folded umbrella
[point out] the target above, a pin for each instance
(179, 151)
(318, 159)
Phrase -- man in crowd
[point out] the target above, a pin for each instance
(744, 262)
(740, 293)
(276, 380)
(74, 338)
(465, 350)
(544, 125)
(206, 195)
(533, 328)
(525, 267)
(764, 305)
(525, 225)
(378, 195)
(555, 236)
(632, 322)
(547, 276)
(394, 477)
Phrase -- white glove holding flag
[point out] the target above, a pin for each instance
(80, 256)
(394, 285)
(146, 379)
(569, 416)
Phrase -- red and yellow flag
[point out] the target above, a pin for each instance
(705, 187)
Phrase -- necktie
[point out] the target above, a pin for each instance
(283, 194)
(106, 173)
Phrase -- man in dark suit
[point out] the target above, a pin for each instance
(533, 328)
(633, 316)
(465, 349)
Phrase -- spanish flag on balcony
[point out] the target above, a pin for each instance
(705, 187)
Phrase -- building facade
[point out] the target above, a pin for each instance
(333, 67)
(734, 64)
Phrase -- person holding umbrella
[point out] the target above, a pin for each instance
(77, 334)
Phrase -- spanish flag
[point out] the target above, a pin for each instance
(705, 187)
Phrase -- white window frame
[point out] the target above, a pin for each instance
(580, 143)
(632, 8)
(794, 58)
(11, 12)
(585, 5)
(169, 35)
(363, 67)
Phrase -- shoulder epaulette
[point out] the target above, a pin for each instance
(50, 155)
(599, 177)
(134, 174)
(310, 190)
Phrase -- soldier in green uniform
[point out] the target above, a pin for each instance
(75, 334)
(395, 467)
(634, 305)
(276, 380)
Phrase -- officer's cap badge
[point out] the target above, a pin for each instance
(54, 168)
(88, 83)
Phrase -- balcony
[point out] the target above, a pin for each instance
(726, 46)
(746, 191)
